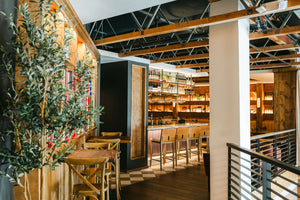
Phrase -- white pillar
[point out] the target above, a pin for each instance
(229, 92)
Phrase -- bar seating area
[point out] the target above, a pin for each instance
(151, 100)
(177, 137)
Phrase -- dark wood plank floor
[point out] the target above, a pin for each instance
(188, 184)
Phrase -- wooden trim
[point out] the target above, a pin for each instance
(219, 19)
(182, 58)
(275, 32)
(69, 12)
(175, 47)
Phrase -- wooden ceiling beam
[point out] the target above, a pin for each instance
(274, 65)
(204, 22)
(175, 47)
(193, 65)
(205, 43)
(253, 60)
(275, 48)
(267, 66)
(267, 59)
(206, 55)
(275, 32)
(182, 58)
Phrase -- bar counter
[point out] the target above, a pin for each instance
(155, 132)
(160, 127)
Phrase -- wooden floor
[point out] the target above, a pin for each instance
(187, 184)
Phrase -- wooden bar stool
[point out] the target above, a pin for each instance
(194, 135)
(204, 135)
(167, 137)
(111, 134)
(87, 188)
(182, 135)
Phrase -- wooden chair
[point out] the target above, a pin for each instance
(87, 189)
(167, 137)
(194, 135)
(182, 135)
(113, 144)
(112, 134)
(87, 171)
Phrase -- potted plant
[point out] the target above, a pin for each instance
(43, 120)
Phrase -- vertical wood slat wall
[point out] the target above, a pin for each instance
(56, 182)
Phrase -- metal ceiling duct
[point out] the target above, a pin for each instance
(183, 8)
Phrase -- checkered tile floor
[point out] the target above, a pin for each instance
(154, 171)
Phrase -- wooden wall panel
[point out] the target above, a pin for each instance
(138, 109)
(284, 100)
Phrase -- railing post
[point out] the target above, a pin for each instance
(288, 149)
(257, 161)
(257, 145)
(275, 149)
(266, 180)
(229, 172)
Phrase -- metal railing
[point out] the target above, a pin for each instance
(269, 183)
(278, 145)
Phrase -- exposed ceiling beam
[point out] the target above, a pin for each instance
(206, 55)
(175, 47)
(275, 32)
(252, 36)
(253, 60)
(206, 64)
(275, 48)
(275, 65)
(282, 39)
(219, 19)
(182, 58)
(267, 59)
(267, 66)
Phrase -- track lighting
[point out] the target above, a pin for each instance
(272, 6)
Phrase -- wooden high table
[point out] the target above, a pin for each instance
(123, 139)
(94, 154)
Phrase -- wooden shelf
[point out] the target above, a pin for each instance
(268, 117)
(201, 115)
(157, 103)
(154, 81)
(160, 114)
(268, 102)
(70, 65)
(253, 102)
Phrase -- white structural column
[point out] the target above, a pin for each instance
(229, 93)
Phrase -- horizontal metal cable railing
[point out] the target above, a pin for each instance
(275, 179)
(280, 145)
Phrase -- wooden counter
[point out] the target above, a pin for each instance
(160, 127)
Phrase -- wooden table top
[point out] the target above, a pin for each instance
(124, 139)
(93, 154)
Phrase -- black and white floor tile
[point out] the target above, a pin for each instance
(154, 171)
